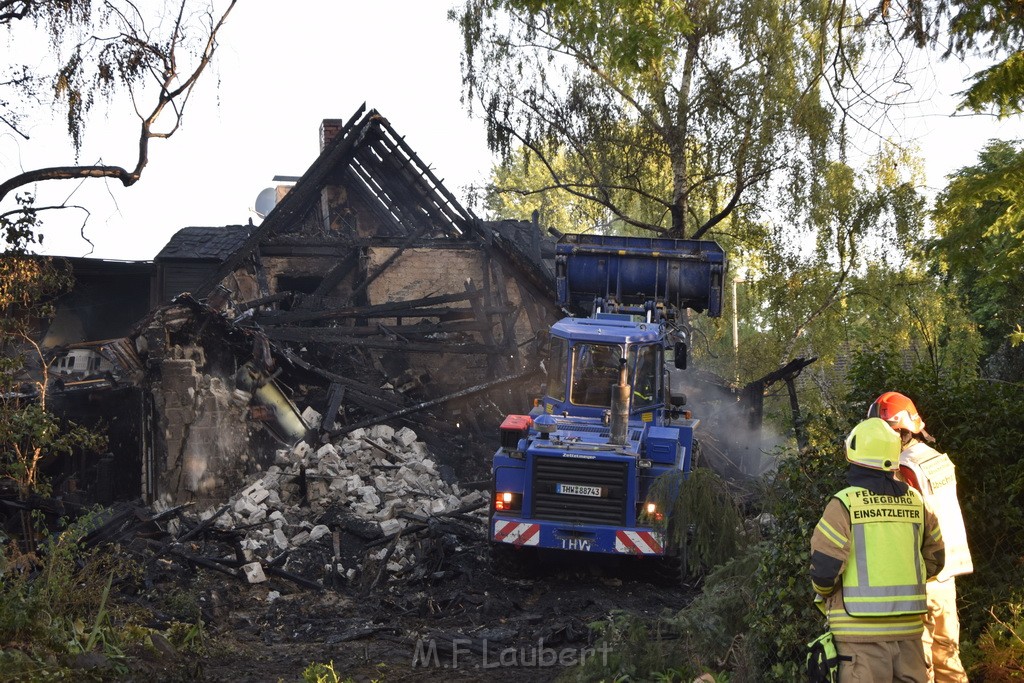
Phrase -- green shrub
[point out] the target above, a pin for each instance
(706, 523)
(324, 673)
(782, 617)
(56, 603)
(980, 424)
(704, 637)
(320, 673)
(756, 613)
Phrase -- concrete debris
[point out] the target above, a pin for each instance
(312, 418)
(379, 475)
(254, 572)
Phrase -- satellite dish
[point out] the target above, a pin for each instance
(265, 201)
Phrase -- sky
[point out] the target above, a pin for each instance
(280, 72)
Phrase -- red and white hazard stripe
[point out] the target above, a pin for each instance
(516, 533)
(638, 542)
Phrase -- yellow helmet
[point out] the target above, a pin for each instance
(874, 444)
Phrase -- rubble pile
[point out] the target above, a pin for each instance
(378, 480)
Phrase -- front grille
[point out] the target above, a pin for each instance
(600, 430)
(610, 475)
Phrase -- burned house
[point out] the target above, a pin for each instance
(368, 293)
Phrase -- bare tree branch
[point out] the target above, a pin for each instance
(174, 92)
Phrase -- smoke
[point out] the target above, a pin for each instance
(733, 443)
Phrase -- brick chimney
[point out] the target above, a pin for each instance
(328, 129)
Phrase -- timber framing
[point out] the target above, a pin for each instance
(369, 262)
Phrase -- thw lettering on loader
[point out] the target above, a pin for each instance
(576, 544)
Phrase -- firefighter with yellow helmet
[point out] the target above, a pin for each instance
(932, 474)
(871, 554)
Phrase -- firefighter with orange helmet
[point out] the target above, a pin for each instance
(933, 475)
(871, 553)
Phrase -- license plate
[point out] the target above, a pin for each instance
(578, 490)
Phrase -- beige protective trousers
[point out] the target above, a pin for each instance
(889, 661)
(941, 637)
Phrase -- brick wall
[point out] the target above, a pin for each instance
(329, 128)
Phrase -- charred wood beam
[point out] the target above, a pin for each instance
(789, 370)
(462, 393)
(407, 199)
(532, 275)
(311, 245)
(439, 243)
(294, 578)
(416, 528)
(261, 274)
(416, 329)
(802, 443)
(460, 217)
(198, 560)
(383, 563)
(341, 335)
(288, 250)
(533, 313)
(336, 274)
(367, 397)
(391, 309)
(753, 394)
(362, 182)
(390, 332)
(335, 395)
(486, 334)
(203, 525)
(385, 190)
(508, 322)
(171, 512)
(117, 523)
(225, 566)
(403, 185)
(443, 314)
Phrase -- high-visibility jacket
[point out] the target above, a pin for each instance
(871, 555)
(934, 476)
(882, 581)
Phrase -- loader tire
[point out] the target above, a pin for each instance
(512, 562)
(670, 570)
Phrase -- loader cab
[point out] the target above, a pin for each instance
(584, 363)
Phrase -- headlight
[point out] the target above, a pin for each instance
(507, 501)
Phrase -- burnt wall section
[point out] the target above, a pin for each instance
(202, 445)
(105, 301)
(203, 431)
(123, 414)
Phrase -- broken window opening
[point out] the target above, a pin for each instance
(302, 284)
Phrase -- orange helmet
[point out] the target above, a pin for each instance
(897, 410)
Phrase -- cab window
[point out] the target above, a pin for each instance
(556, 369)
(595, 368)
(644, 369)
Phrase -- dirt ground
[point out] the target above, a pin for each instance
(468, 622)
